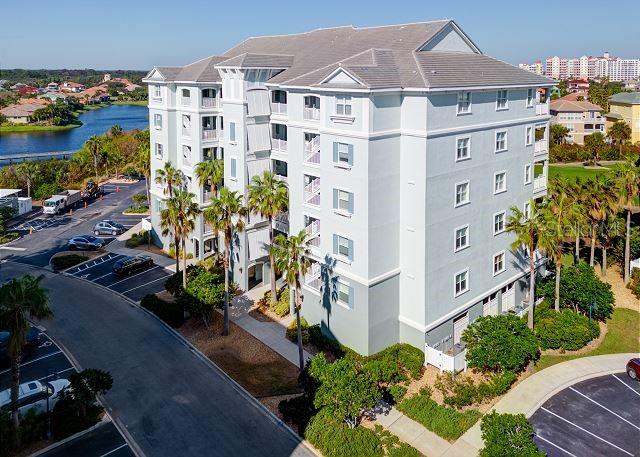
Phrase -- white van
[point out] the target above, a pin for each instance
(53, 205)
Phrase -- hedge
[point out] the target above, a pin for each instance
(62, 262)
(508, 435)
(137, 239)
(441, 420)
(170, 312)
(566, 329)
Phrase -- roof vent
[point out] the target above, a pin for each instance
(433, 72)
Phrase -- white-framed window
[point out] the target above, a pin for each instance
(529, 136)
(464, 103)
(157, 92)
(157, 121)
(161, 204)
(158, 151)
(499, 182)
(461, 281)
(461, 238)
(501, 141)
(530, 97)
(345, 293)
(499, 263)
(527, 210)
(343, 201)
(186, 95)
(343, 154)
(462, 193)
(233, 165)
(527, 174)
(343, 246)
(502, 99)
(232, 132)
(498, 222)
(343, 105)
(463, 148)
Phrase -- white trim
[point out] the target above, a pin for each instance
(466, 280)
(504, 222)
(530, 180)
(504, 263)
(468, 157)
(455, 194)
(506, 103)
(495, 175)
(470, 107)
(455, 239)
(526, 135)
(495, 142)
(476, 127)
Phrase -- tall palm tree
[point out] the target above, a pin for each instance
(627, 182)
(210, 172)
(170, 177)
(28, 171)
(527, 231)
(225, 214)
(619, 132)
(143, 166)
(600, 202)
(21, 299)
(269, 197)
(94, 144)
(116, 130)
(181, 210)
(565, 198)
(291, 254)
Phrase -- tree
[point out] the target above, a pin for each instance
(85, 385)
(527, 230)
(619, 132)
(225, 215)
(21, 299)
(28, 172)
(268, 197)
(291, 257)
(116, 130)
(94, 144)
(181, 211)
(595, 143)
(143, 165)
(626, 178)
(170, 177)
(559, 133)
(210, 172)
(508, 435)
(600, 203)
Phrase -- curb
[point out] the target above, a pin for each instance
(67, 439)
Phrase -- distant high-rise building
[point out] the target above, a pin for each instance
(589, 67)
(535, 67)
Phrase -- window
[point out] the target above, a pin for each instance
(462, 238)
(345, 293)
(464, 102)
(343, 246)
(527, 173)
(463, 150)
(498, 263)
(343, 154)
(530, 94)
(158, 151)
(529, 136)
(343, 201)
(462, 193)
(343, 105)
(186, 95)
(232, 167)
(279, 96)
(232, 132)
(157, 121)
(499, 182)
(186, 153)
(498, 222)
(461, 282)
(501, 141)
(157, 91)
(501, 99)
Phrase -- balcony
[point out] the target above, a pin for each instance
(539, 183)
(156, 100)
(313, 233)
(210, 134)
(278, 144)
(281, 222)
(209, 102)
(278, 108)
(542, 109)
(540, 147)
(312, 150)
(312, 192)
(312, 278)
(311, 114)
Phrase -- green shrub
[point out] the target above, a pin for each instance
(634, 284)
(459, 393)
(397, 363)
(138, 239)
(62, 262)
(298, 411)
(139, 199)
(617, 249)
(173, 285)
(581, 288)
(292, 331)
(500, 343)
(137, 209)
(46, 190)
(170, 312)
(204, 293)
(441, 420)
(281, 306)
(324, 343)
(566, 330)
(508, 435)
(9, 236)
(397, 392)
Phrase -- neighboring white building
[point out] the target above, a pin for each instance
(535, 67)
(589, 67)
(403, 148)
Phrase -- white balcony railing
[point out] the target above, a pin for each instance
(281, 178)
(278, 108)
(209, 102)
(542, 109)
(540, 147)
(540, 182)
(156, 99)
(312, 278)
(281, 222)
(278, 145)
(186, 132)
(312, 150)
(208, 134)
(312, 192)
(311, 114)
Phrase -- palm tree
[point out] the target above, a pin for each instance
(225, 214)
(94, 144)
(527, 231)
(115, 130)
(181, 210)
(21, 299)
(595, 143)
(627, 182)
(558, 133)
(170, 177)
(600, 201)
(571, 211)
(143, 166)
(211, 172)
(28, 171)
(291, 254)
(269, 197)
(619, 132)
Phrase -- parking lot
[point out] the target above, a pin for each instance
(135, 287)
(47, 362)
(597, 417)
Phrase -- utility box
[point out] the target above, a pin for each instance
(24, 205)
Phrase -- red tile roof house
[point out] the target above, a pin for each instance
(20, 113)
(26, 90)
(71, 86)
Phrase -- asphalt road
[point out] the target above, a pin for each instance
(169, 400)
(597, 417)
(103, 441)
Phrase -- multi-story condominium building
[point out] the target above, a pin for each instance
(625, 106)
(581, 118)
(535, 67)
(589, 67)
(403, 148)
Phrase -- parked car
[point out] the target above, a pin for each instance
(132, 264)
(108, 228)
(33, 341)
(85, 243)
(34, 394)
(633, 368)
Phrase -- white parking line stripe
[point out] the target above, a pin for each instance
(556, 446)
(586, 431)
(627, 386)
(605, 408)
(57, 372)
(103, 276)
(34, 360)
(114, 450)
(142, 272)
(150, 282)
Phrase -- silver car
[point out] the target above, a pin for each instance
(108, 228)
(34, 394)
(85, 243)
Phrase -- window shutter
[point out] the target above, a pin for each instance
(350, 296)
(335, 152)
(350, 154)
(351, 202)
(335, 199)
(335, 243)
(350, 249)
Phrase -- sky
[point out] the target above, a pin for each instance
(138, 34)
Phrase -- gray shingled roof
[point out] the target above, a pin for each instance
(251, 60)
(632, 98)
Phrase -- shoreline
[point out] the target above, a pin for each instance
(29, 128)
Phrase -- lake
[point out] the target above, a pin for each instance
(94, 122)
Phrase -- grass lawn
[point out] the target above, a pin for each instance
(574, 172)
(25, 128)
(623, 330)
(131, 102)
